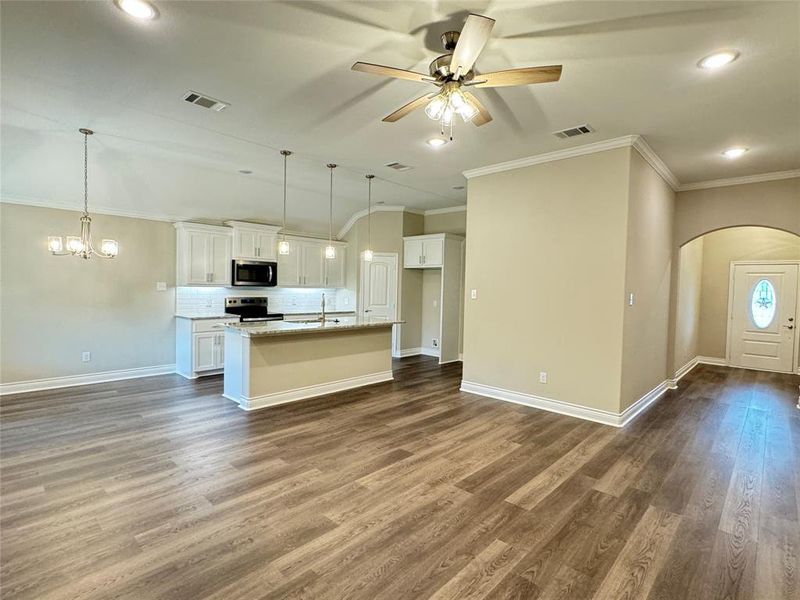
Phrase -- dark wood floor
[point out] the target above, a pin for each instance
(159, 488)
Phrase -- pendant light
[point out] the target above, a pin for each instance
(81, 245)
(283, 245)
(367, 254)
(330, 251)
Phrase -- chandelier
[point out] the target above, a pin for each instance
(81, 245)
(448, 103)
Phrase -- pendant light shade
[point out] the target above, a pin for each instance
(81, 245)
(330, 251)
(283, 245)
(367, 255)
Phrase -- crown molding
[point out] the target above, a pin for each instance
(442, 211)
(635, 141)
(654, 160)
(715, 183)
(537, 159)
(99, 210)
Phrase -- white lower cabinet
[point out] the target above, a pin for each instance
(200, 346)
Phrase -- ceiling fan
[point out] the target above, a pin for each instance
(453, 72)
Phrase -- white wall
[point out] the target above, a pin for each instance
(546, 253)
(53, 308)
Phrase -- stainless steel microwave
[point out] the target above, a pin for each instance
(257, 273)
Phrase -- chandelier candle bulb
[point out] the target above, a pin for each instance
(55, 244)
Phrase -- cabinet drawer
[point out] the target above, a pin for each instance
(211, 325)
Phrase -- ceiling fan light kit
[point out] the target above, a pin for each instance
(454, 71)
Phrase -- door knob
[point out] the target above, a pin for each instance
(789, 326)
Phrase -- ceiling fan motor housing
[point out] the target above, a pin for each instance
(440, 69)
(450, 39)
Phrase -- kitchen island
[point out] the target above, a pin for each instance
(283, 361)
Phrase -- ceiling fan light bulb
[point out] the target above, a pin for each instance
(467, 112)
(435, 108)
(457, 99)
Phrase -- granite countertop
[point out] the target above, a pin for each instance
(275, 328)
(287, 316)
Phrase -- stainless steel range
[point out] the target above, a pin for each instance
(251, 309)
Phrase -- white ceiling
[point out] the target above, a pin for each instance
(629, 68)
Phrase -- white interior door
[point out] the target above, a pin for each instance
(762, 320)
(379, 289)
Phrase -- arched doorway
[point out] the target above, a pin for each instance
(722, 276)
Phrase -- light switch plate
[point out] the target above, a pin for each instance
(473, 294)
(543, 377)
(161, 286)
(631, 299)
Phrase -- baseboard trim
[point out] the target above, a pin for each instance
(50, 383)
(311, 391)
(566, 408)
(405, 352)
(430, 352)
(712, 360)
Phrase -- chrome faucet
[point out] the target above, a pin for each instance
(322, 318)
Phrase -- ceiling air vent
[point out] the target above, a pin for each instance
(205, 101)
(573, 131)
(399, 166)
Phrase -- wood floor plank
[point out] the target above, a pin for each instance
(161, 488)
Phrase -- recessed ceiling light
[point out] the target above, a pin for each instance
(139, 9)
(732, 153)
(718, 59)
(436, 142)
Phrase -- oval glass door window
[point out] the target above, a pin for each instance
(763, 304)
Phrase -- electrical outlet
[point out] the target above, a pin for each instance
(161, 286)
(435, 343)
(543, 377)
(86, 356)
(474, 294)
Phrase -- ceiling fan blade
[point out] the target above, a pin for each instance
(525, 76)
(410, 107)
(390, 72)
(483, 116)
(470, 43)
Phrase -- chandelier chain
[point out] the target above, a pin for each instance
(85, 174)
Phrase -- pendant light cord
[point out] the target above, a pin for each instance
(369, 210)
(286, 154)
(331, 166)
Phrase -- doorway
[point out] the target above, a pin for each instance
(762, 327)
(378, 291)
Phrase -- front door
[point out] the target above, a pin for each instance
(762, 321)
(379, 288)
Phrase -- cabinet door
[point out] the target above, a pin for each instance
(334, 269)
(266, 244)
(204, 351)
(313, 270)
(432, 252)
(197, 270)
(289, 266)
(245, 243)
(219, 357)
(220, 259)
(412, 253)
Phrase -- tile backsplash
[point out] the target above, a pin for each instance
(211, 300)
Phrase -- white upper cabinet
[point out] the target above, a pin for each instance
(313, 268)
(289, 266)
(423, 251)
(204, 254)
(335, 269)
(254, 242)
